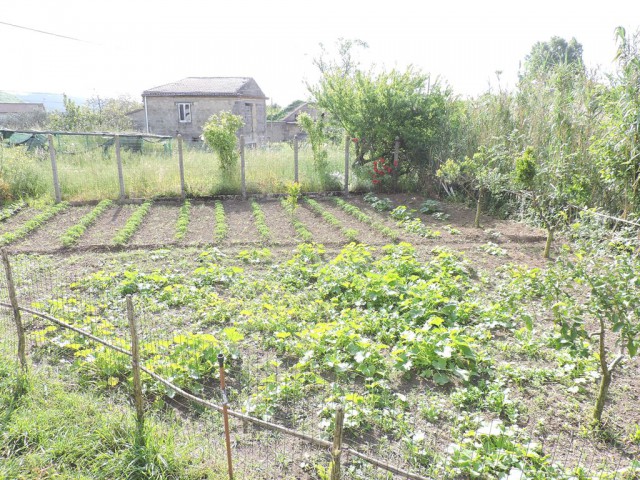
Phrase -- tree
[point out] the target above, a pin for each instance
(99, 115)
(315, 129)
(544, 56)
(375, 108)
(221, 133)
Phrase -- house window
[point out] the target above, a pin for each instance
(184, 112)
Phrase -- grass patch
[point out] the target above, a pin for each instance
(73, 434)
(222, 227)
(261, 224)
(183, 220)
(133, 224)
(33, 224)
(73, 234)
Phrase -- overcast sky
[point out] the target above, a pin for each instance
(129, 46)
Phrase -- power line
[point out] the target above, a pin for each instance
(43, 32)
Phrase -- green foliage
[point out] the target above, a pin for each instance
(33, 223)
(220, 134)
(379, 204)
(134, 222)
(318, 209)
(376, 108)
(364, 218)
(544, 56)
(73, 234)
(222, 228)
(318, 138)
(294, 190)
(525, 174)
(183, 220)
(99, 115)
(405, 219)
(289, 204)
(12, 209)
(255, 255)
(261, 224)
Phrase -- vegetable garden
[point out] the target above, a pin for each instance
(456, 352)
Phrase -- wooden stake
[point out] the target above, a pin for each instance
(396, 164)
(347, 140)
(135, 363)
(225, 415)
(119, 160)
(16, 311)
(181, 165)
(243, 182)
(336, 451)
(54, 168)
(295, 158)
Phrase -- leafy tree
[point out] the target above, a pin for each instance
(544, 56)
(613, 301)
(221, 133)
(482, 173)
(99, 115)
(376, 108)
(543, 200)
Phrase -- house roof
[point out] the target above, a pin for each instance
(208, 87)
(21, 108)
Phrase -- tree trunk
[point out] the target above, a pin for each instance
(476, 222)
(547, 246)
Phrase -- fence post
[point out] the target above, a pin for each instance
(396, 160)
(336, 451)
(225, 415)
(243, 180)
(181, 165)
(295, 158)
(16, 310)
(347, 140)
(119, 160)
(54, 168)
(135, 363)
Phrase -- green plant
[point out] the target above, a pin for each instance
(290, 202)
(255, 255)
(261, 224)
(133, 223)
(318, 209)
(10, 210)
(220, 134)
(364, 218)
(379, 204)
(183, 220)
(73, 234)
(222, 228)
(33, 224)
(298, 226)
(493, 249)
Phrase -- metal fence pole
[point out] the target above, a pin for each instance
(54, 168)
(120, 173)
(243, 180)
(16, 311)
(225, 415)
(181, 165)
(135, 363)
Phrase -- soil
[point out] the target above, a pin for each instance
(158, 228)
(101, 233)
(201, 224)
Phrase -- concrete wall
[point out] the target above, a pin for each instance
(282, 131)
(163, 115)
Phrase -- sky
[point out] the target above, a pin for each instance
(124, 47)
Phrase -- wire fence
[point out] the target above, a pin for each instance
(294, 435)
(95, 166)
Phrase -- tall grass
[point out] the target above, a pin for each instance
(91, 173)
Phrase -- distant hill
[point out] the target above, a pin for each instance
(9, 98)
(51, 101)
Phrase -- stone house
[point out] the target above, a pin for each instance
(286, 128)
(183, 107)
